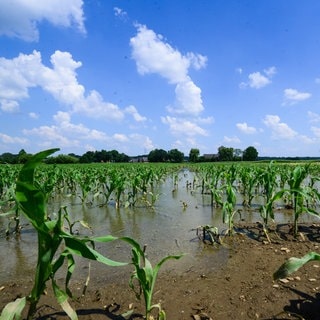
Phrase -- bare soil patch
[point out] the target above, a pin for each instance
(243, 288)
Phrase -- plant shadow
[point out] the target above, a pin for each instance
(280, 232)
(306, 308)
(110, 312)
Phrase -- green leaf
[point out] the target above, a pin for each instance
(62, 299)
(293, 264)
(27, 171)
(80, 248)
(13, 310)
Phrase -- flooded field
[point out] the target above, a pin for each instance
(167, 227)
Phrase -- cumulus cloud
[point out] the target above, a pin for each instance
(27, 71)
(20, 18)
(135, 114)
(292, 96)
(69, 135)
(153, 54)
(11, 140)
(280, 130)
(188, 99)
(64, 133)
(120, 137)
(231, 140)
(243, 127)
(183, 127)
(258, 80)
(9, 106)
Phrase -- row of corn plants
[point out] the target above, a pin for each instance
(261, 186)
(57, 248)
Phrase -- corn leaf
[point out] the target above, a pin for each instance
(62, 299)
(80, 248)
(293, 264)
(13, 310)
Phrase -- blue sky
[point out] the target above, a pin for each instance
(139, 75)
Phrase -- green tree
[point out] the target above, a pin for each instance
(194, 155)
(225, 154)
(174, 155)
(88, 157)
(23, 157)
(250, 154)
(8, 157)
(158, 155)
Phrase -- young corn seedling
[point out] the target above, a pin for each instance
(228, 208)
(268, 181)
(51, 235)
(300, 194)
(146, 276)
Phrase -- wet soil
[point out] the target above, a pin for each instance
(242, 288)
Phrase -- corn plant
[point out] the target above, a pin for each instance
(300, 193)
(248, 177)
(146, 276)
(213, 186)
(268, 181)
(51, 235)
(228, 208)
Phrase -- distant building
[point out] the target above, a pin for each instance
(139, 159)
(210, 156)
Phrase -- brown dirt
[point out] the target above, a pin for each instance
(242, 288)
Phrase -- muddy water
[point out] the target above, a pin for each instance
(167, 228)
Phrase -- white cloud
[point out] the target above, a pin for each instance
(65, 134)
(313, 117)
(270, 72)
(258, 80)
(142, 141)
(135, 114)
(20, 18)
(12, 140)
(316, 131)
(153, 55)
(197, 61)
(207, 120)
(188, 99)
(9, 106)
(280, 130)
(234, 139)
(183, 127)
(118, 12)
(243, 127)
(95, 107)
(292, 96)
(120, 137)
(33, 115)
(27, 71)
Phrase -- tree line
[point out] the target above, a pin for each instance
(156, 155)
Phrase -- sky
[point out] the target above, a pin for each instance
(139, 75)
